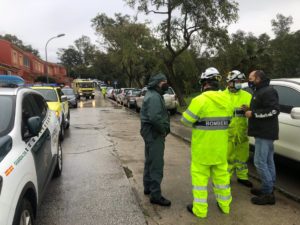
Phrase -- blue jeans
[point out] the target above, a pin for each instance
(264, 163)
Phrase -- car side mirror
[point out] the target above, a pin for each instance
(64, 98)
(295, 113)
(34, 125)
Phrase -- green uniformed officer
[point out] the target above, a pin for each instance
(209, 115)
(155, 126)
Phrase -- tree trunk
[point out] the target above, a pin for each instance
(172, 80)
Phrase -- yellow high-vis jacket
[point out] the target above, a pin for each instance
(209, 115)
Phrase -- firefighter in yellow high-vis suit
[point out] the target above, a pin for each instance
(238, 145)
(209, 115)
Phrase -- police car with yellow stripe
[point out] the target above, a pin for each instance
(30, 151)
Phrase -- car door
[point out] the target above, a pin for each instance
(289, 128)
(34, 105)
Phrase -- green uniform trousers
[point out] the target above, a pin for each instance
(154, 163)
(220, 178)
(238, 155)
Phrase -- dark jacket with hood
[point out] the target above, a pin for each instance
(155, 119)
(265, 110)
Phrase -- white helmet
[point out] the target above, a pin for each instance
(235, 75)
(211, 73)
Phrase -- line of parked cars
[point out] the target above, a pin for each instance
(133, 98)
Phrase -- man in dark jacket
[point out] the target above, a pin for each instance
(263, 126)
(155, 126)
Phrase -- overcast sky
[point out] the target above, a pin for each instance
(35, 21)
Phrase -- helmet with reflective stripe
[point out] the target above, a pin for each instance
(210, 73)
(235, 75)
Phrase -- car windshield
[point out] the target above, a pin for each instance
(68, 91)
(86, 85)
(49, 94)
(135, 92)
(170, 91)
(7, 114)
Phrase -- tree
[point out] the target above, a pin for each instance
(130, 44)
(184, 19)
(79, 58)
(281, 25)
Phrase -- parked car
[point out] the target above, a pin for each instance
(121, 95)
(30, 153)
(130, 97)
(289, 118)
(58, 103)
(109, 93)
(169, 97)
(72, 100)
(115, 94)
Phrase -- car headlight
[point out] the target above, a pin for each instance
(57, 114)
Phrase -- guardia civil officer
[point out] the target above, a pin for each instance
(155, 126)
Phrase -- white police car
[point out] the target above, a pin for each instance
(30, 151)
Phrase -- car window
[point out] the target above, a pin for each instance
(40, 106)
(170, 91)
(49, 94)
(7, 114)
(288, 98)
(68, 91)
(86, 85)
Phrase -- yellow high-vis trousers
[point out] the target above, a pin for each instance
(221, 187)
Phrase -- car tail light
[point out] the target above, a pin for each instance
(57, 114)
(1, 182)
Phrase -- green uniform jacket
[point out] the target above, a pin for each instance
(209, 114)
(238, 127)
(154, 115)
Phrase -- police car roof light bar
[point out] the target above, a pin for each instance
(11, 81)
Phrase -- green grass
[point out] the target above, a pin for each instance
(187, 100)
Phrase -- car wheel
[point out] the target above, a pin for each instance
(62, 132)
(59, 163)
(137, 109)
(76, 105)
(68, 123)
(93, 97)
(24, 214)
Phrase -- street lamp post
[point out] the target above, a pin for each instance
(57, 36)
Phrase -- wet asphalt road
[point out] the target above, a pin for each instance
(93, 188)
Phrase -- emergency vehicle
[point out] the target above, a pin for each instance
(30, 151)
(84, 88)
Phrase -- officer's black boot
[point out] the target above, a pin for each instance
(189, 208)
(161, 201)
(264, 199)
